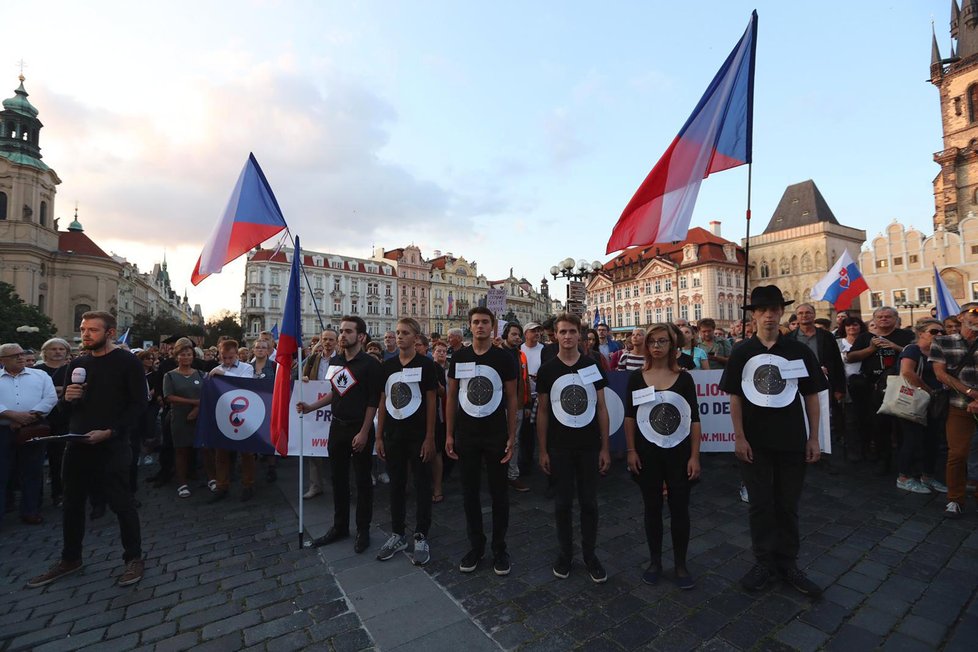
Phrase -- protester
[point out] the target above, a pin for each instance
(265, 367)
(439, 353)
(390, 345)
(769, 423)
(572, 431)
(181, 391)
(952, 326)
(315, 367)
(232, 367)
(532, 348)
(406, 437)
(689, 348)
(635, 358)
(661, 406)
(484, 426)
(103, 408)
(853, 327)
(354, 395)
(717, 349)
(512, 341)
(592, 343)
(455, 342)
(146, 429)
(54, 362)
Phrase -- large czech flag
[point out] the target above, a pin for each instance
(842, 284)
(251, 217)
(716, 137)
(289, 343)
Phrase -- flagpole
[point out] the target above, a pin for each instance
(315, 305)
(743, 323)
(302, 441)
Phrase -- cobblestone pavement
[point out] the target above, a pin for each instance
(230, 577)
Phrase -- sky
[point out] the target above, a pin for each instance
(512, 133)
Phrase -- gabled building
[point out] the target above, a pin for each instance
(414, 282)
(456, 286)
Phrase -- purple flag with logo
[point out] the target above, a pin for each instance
(235, 414)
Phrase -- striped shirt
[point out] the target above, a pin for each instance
(630, 362)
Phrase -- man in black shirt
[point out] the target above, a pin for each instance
(354, 395)
(484, 426)
(104, 409)
(768, 378)
(572, 437)
(406, 436)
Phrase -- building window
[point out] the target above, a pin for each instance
(337, 307)
(899, 297)
(80, 310)
(696, 280)
(253, 276)
(669, 314)
(43, 217)
(648, 287)
(3, 205)
(336, 285)
(274, 303)
(682, 282)
(638, 319)
(881, 264)
(658, 316)
(648, 315)
(618, 293)
(876, 299)
(628, 292)
(668, 284)
(898, 260)
(275, 277)
(697, 311)
(252, 300)
(924, 296)
(912, 258)
(684, 311)
(765, 270)
(973, 102)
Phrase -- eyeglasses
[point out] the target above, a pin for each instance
(935, 331)
(14, 355)
(659, 344)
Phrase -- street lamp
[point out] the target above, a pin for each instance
(911, 305)
(566, 269)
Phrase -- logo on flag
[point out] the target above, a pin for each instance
(234, 414)
(842, 284)
(239, 414)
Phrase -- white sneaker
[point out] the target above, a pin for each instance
(953, 510)
(744, 497)
(913, 485)
(383, 478)
(422, 553)
(395, 544)
(934, 484)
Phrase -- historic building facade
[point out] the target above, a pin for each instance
(524, 303)
(341, 285)
(413, 280)
(702, 276)
(456, 286)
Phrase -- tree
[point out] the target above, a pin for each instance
(14, 313)
(146, 327)
(223, 323)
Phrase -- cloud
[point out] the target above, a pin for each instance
(561, 138)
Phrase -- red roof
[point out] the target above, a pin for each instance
(79, 243)
(280, 257)
(710, 250)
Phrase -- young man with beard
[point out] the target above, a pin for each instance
(354, 396)
(481, 430)
(104, 409)
(572, 435)
(406, 437)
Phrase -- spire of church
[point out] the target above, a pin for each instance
(935, 52)
(955, 15)
(20, 130)
(75, 224)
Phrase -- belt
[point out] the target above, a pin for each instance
(348, 423)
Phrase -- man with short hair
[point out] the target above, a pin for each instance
(26, 396)
(101, 411)
(481, 431)
(717, 349)
(606, 345)
(390, 345)
(354, 395)
(840, 319)
(573, 447)
(455, 342)
(231, 366)
(512, 339)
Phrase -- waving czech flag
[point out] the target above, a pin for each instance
(251, 217)
(289, 343)
(716, 137)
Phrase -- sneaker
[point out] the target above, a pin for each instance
(597, 572)
(517, 485)
(684, 582)
(913, 485)
(133, 572)
(383, 478)
(756, 578)
(934, 484)
(800, 581)
(422, 553)
(953, 510)
(212, 485)
(562, 567)
(651, 575)
(56, 572)
(500, 563)
(744, 497)
(394, 544)
(470, 561)
(183, 491)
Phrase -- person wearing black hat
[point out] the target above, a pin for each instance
(773, 382)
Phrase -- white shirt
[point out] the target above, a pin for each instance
(239, 370)
(532, 363)
(29, 391)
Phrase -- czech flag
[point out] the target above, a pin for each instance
(289, 343)
(946, 305)
(251, 217)
(842, 284)
(716, 137)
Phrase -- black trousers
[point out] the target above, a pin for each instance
(340, 448)
(665, 465)
(918, 449)
(774, 482)
(567, 468)
(107, 467)
(473, 453)
(404, 451)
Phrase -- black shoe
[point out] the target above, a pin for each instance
(332, 536)
(562, 567)
(597, 572)
(651, 574)
(470, 561)
(247, 494)
(362, 542)
(800, 581)
(97, 512)
(500, 563)
(271, 475)
(756, 578)
(684, 582)
(218, 496)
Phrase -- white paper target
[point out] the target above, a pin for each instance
(481, 394)
(763, 383)
(665, 421)
(403, 399)
(616, 410)
(573, 401)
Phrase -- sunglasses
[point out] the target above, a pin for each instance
(935, 331)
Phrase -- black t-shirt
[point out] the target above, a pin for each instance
(406, 402)
(355, 385)
(885, 358)
(775, 427)
(58, 417)
(481, 396)
(664, 420)
(115, 394)
(570, 403)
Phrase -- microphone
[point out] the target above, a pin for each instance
(78, 375)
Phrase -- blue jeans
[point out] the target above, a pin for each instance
(31, 459)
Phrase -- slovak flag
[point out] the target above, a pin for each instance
(717, 136)
(842, 284)
(289, 343)
(251, 217)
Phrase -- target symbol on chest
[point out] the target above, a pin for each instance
(401, 395)
(479, 390)
(764, 383)
(768, 380)
(403, 399)
(481, 394)
(665, 421)
(573, 399)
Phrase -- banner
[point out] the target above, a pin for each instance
(315, 425)
(235, 414)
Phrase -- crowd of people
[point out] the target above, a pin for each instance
(510, 400)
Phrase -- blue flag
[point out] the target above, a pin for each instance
(274, 331)
(123, 338)
(235, 414)
(946, 305)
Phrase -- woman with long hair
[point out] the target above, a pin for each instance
(662, 433)
(698, 355)
(55, 356)
(853, 327)
(181, 390)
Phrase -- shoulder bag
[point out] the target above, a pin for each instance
(905, 401)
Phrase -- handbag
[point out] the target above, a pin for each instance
(904, 401)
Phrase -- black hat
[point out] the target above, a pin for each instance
(764, 296)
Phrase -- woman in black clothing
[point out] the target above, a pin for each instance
(54, 362)
(662, 432)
